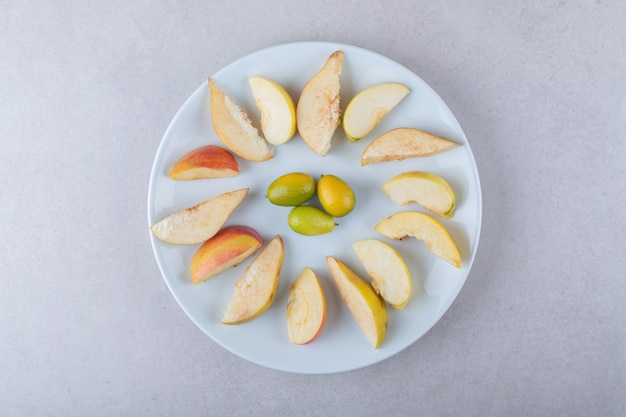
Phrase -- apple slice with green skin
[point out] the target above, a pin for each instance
(425, 228)
(228, 248)
(368, 108)
(205, 162)
(234, 128)
(367, 307)
(255, 290)
(318, 109)
(278, 113)
(402, 143)
(306, 308)
(425, 188)
(198, 223)
(390, 274)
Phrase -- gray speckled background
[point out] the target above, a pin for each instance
(87, 324)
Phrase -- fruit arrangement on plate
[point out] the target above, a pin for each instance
(315, 117)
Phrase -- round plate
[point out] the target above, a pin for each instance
(341, 346)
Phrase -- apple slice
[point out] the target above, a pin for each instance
(402, 143)
(200, 222)
(422, 227)
(255, 290)
(318, 107)
(234, 128)
(425, 188)
(306, 308)
(368, 108)
(367, 307)
(278, 113)
(228, 248)
(205, 162)
(390, 274)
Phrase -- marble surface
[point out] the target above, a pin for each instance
(87, 324)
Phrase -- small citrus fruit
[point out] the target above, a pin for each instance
(291, 189)
(310, 221)
(335, 195)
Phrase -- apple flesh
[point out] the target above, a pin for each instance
(198, 223)
(205, 162)
(390, 274)
(425, 188)
(402, 143)
(318, 109)
(255, 290)
(368, 108)
(306, 308)
(278, 113)
(367, 307)
(425, 228)
(234, 128)
(228, 248)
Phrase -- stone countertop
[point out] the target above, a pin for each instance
(89, 327)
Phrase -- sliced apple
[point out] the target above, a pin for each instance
(318, 107)
(200, 222)
(390, 274)
(369, 106)
(278, 113)
(234, 128)
(205, 162)
(229, 247)
(255, 290)
(306, 308)
(402, 143)
(367, 307)
(425, 188)
(425, 228)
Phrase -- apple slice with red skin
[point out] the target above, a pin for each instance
(228, 248)
(205, 162)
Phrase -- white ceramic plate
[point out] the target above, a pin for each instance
(341, 346)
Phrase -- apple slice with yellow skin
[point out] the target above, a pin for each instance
(200, 222)
(390, 274)
(229, 247)
(306, 308)
(425, 188)
(425, 228)
(278, 113)
(318, 109)
(255, 290)
(234, 128)
(402, 143)
(368, 108)
(367, 307)
(205, 162)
